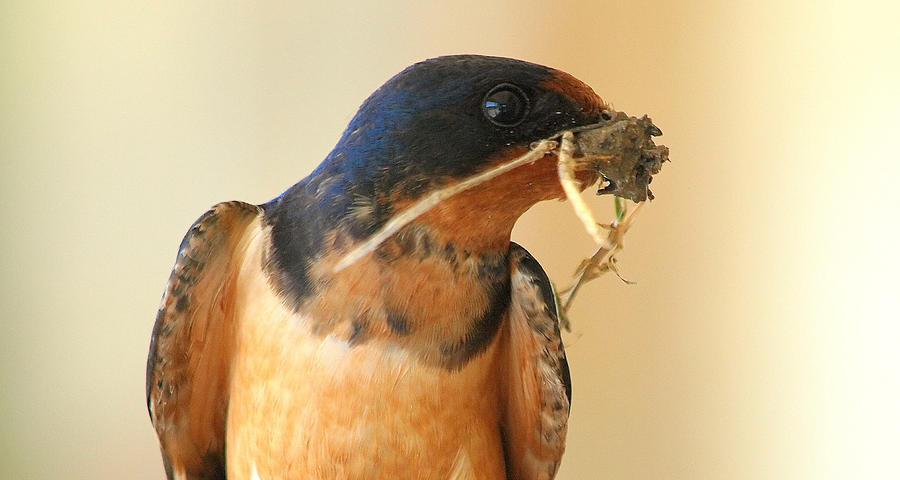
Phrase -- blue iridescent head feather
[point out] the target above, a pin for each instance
(426, 124)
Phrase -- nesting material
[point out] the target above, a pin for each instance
(623, 152)
(603, 260)
(570, 185)
(620, 150)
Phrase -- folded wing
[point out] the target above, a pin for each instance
(189, 365)
(536, 385)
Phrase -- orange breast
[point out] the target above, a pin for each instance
(309, 406)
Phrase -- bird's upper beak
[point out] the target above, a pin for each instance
(622, 151)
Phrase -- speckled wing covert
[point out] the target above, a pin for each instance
(189, 365)
(537, 390)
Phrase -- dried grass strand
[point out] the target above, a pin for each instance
(571, 186)
(603, 259)
(428, 202)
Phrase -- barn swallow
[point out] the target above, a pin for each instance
(435, 356)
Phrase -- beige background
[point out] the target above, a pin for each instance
(760, 342)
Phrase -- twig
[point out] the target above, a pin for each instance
(603, 258)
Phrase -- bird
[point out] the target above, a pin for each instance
(436, 355)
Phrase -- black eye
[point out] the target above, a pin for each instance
(605, 115)
(505, 105)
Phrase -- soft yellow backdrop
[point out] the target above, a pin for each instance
(761, 341)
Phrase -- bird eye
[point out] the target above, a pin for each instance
(505, 105)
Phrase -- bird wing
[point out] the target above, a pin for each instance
(189, 365)
(536, 386)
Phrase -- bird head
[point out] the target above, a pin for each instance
(440, 122)
(443, 120)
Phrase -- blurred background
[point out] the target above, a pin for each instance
(761, 340)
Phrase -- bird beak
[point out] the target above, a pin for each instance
(623, 152)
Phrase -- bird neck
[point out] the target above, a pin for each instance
(442, 304)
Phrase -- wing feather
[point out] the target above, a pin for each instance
(189, 365)
(537, 387)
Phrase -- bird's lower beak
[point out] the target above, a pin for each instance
(622, 151)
